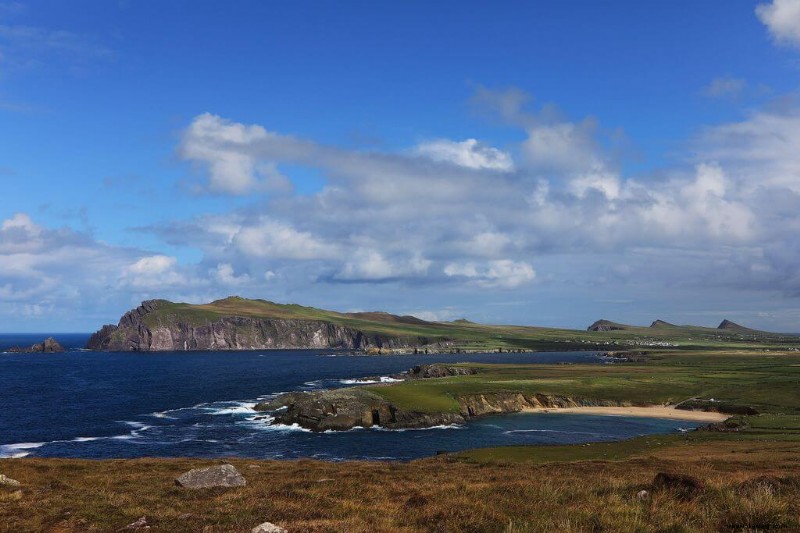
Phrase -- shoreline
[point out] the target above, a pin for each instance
(655, 411)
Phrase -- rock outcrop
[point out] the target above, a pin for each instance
(152, 327)
(268, 527)
(49, 345)
(438, 371)
(213, 476)
(343, 409)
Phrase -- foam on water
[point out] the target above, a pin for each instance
(13, 451)
(364, 381)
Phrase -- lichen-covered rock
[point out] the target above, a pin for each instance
(439, 371)
(213, 476)
(268, 527)
(6, 481)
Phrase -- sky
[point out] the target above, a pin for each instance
(540, 163)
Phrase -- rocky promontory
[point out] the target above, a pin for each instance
(233, 324)
(343, 409)
(49, 345)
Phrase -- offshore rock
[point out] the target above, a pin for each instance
(49, 345)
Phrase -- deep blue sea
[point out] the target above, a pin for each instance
(105, 405)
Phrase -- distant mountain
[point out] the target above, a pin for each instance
(662, 324)
(607, 325)
(733, 326)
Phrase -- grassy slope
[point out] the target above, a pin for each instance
(471, 335)
(768, 382)
(437, 494)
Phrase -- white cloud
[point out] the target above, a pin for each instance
(268, 238)
(782, 19)
(500, 273)
(225, 275)
(222, 145)
(469, 153)
(371, 265)
(152, 273)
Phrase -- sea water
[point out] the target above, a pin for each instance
(199, 404)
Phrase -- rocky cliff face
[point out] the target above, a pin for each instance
(344, 409)
(135, 332)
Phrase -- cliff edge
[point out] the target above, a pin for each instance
(240, 324)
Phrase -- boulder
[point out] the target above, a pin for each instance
(268, 527)
(6, 481)
(213, 476)
(683, 486)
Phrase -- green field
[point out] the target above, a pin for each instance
(769, 383)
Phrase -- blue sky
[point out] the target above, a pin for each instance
(543, 163)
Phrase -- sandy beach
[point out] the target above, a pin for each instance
(656, 411)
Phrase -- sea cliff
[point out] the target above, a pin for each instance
(155, 326)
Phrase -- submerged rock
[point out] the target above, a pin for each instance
(213, 476)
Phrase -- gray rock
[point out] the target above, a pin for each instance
(49, 345)
(6, 481)
(141, 523)
(268, 527)
(213, 476)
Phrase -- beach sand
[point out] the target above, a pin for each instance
(656, 411)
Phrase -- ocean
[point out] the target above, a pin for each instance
(199, 404)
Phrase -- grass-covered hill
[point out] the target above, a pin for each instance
(240, 323)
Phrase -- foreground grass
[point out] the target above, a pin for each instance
(439, 494)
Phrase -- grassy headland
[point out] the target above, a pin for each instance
(466, 335)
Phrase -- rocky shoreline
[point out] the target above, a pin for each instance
(343, 409)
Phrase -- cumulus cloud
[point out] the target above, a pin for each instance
(469, 153)
(448, 211)
(499, 273)
(782, 19)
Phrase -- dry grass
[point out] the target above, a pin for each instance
(429, 495)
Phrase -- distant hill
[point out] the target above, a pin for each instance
(237, 323)
(662, 324)
(733, 326)
(607, 325)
